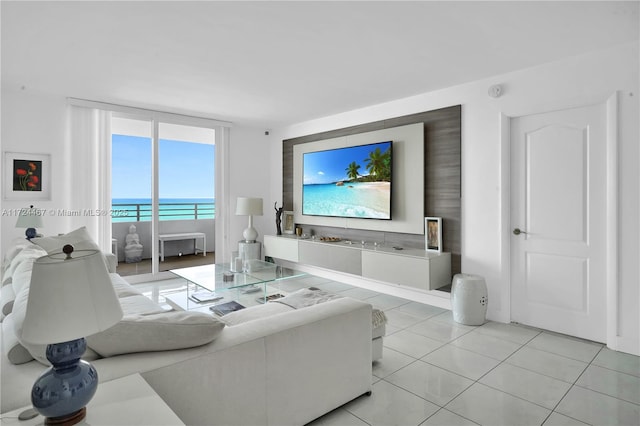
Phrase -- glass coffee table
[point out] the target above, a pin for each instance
(218, 289)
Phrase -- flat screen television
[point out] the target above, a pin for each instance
(353, 182)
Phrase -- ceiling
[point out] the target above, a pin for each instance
(269, 64)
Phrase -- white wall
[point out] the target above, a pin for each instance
(36, 123)
(250, 176)
(586, 79)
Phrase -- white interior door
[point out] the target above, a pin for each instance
(558, 193)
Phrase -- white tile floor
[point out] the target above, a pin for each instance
(435, 371)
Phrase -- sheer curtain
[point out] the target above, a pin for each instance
(89, 171)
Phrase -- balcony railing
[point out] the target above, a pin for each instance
(132, 212)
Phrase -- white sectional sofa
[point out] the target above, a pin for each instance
(267, 366)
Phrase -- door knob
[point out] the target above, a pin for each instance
(517, 231)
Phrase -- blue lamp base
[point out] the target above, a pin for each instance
(30, 233)
(62, 392)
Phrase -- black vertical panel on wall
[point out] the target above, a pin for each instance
(442, 174)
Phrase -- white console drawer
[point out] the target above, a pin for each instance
(426, 273)
(281, 247)
(331, 256)
(397, 269)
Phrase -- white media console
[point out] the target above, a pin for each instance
(418, 269)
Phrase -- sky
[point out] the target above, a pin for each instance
(330, 166)
(186, 169)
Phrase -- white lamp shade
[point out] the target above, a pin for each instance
(29, 218)
(246, 206)
(69, 298)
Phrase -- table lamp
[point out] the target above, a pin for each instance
(70, 296)
(31, 219)
(249, 207)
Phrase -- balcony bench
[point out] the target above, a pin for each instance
(184, 236)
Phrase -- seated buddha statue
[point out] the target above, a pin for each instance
(132, 246)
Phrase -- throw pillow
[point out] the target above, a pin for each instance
(79, 239)
(158, 332)
(15, 247)
(30, 252)
(22, 275)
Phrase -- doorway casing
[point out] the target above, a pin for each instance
(611, 104)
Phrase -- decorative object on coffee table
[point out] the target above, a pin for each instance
(269, 298)
(226, 308)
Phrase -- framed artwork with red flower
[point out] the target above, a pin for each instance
(27, 176)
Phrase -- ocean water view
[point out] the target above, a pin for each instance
(139, 209)
(357, 200)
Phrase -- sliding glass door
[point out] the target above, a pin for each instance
(132, 193)
(186, 188)
(163, 193)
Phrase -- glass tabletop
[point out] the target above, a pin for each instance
(216, 277)
(220, 277)
(213, 284)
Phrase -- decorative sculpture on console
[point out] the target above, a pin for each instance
(132, 246)
(278, 218)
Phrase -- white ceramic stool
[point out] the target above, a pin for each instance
(469, 299)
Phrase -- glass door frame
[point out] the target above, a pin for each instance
(221, 220)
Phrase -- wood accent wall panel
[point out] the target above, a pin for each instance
(442, 186)
(442, 176)
(287, 175)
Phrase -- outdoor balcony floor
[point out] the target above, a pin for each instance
(173, 262)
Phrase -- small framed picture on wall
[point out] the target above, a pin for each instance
(433, 234)
(27, 176)
(288, 226)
